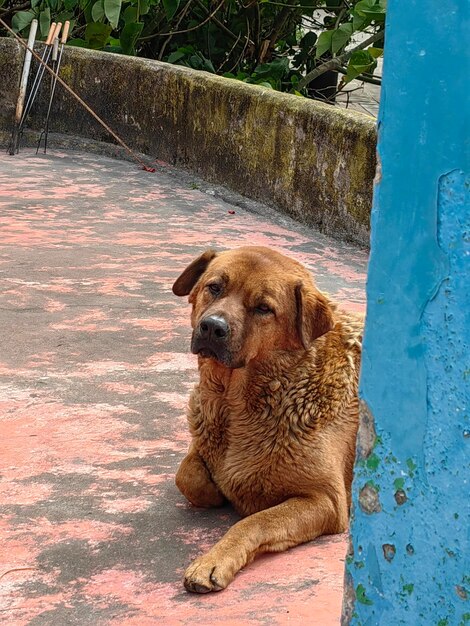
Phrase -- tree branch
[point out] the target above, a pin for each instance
(186, 30)
(167, 41)
(281, 20)
(337, 62)
(220, 24)
(19, 7)
(363, 78)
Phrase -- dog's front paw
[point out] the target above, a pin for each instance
(207, 574)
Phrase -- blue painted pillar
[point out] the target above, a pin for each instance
(410, 548)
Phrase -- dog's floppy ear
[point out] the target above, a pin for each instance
(314, 315)
(193, 273)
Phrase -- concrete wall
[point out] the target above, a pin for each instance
(307, 159)
(410, 557)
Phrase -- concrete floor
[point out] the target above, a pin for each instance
(94, 379)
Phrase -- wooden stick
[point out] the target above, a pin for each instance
(23, 85)
(56, 68)
(82, 102)
(40, 72)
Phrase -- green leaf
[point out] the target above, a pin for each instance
(324, 43)
(21, 20)
(361, 61)
(45, 21)
(129, 35)
(144, 7)
(364, 6)
(370, 9)
(170, 6)
(340, 37)
(97, 35)
(112, 10)
(199, 62)
(86, 6)
(177, 55)
(360, 21)
(78, 43)
(34, 3)
(207, 66)
(130, 15)
(276, 69)
(375, 52)
(70, 4)
(97, 12)
(64, 16)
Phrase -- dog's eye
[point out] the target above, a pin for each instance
(263, 309)
(214, 288)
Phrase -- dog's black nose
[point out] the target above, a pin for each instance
(213, 328)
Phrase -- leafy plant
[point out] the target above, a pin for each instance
(279, 44)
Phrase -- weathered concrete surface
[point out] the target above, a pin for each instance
(94, 379)
(310, 160)
(410, 557)
(11, 63)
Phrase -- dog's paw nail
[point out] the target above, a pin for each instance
(203, 578)
(216, 586)
(194, 587)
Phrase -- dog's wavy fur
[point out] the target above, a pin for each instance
(274, 424)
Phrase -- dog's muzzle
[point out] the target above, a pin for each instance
(210, 338)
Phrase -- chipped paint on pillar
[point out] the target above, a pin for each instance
(409, 560)
(94, 380)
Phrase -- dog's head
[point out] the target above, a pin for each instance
(249, 303)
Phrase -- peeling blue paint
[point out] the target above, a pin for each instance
(410, 561)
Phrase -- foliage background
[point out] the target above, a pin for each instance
(281, 44)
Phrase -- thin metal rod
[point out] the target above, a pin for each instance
(56, 60)
(39, 68)
(82, 102)
(23, 85)
(44, 52)
(40, 74)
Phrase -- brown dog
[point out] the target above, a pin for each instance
(275, 414)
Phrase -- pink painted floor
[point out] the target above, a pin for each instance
(94, 378)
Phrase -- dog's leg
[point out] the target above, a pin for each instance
(195, 482)
(294, 521)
